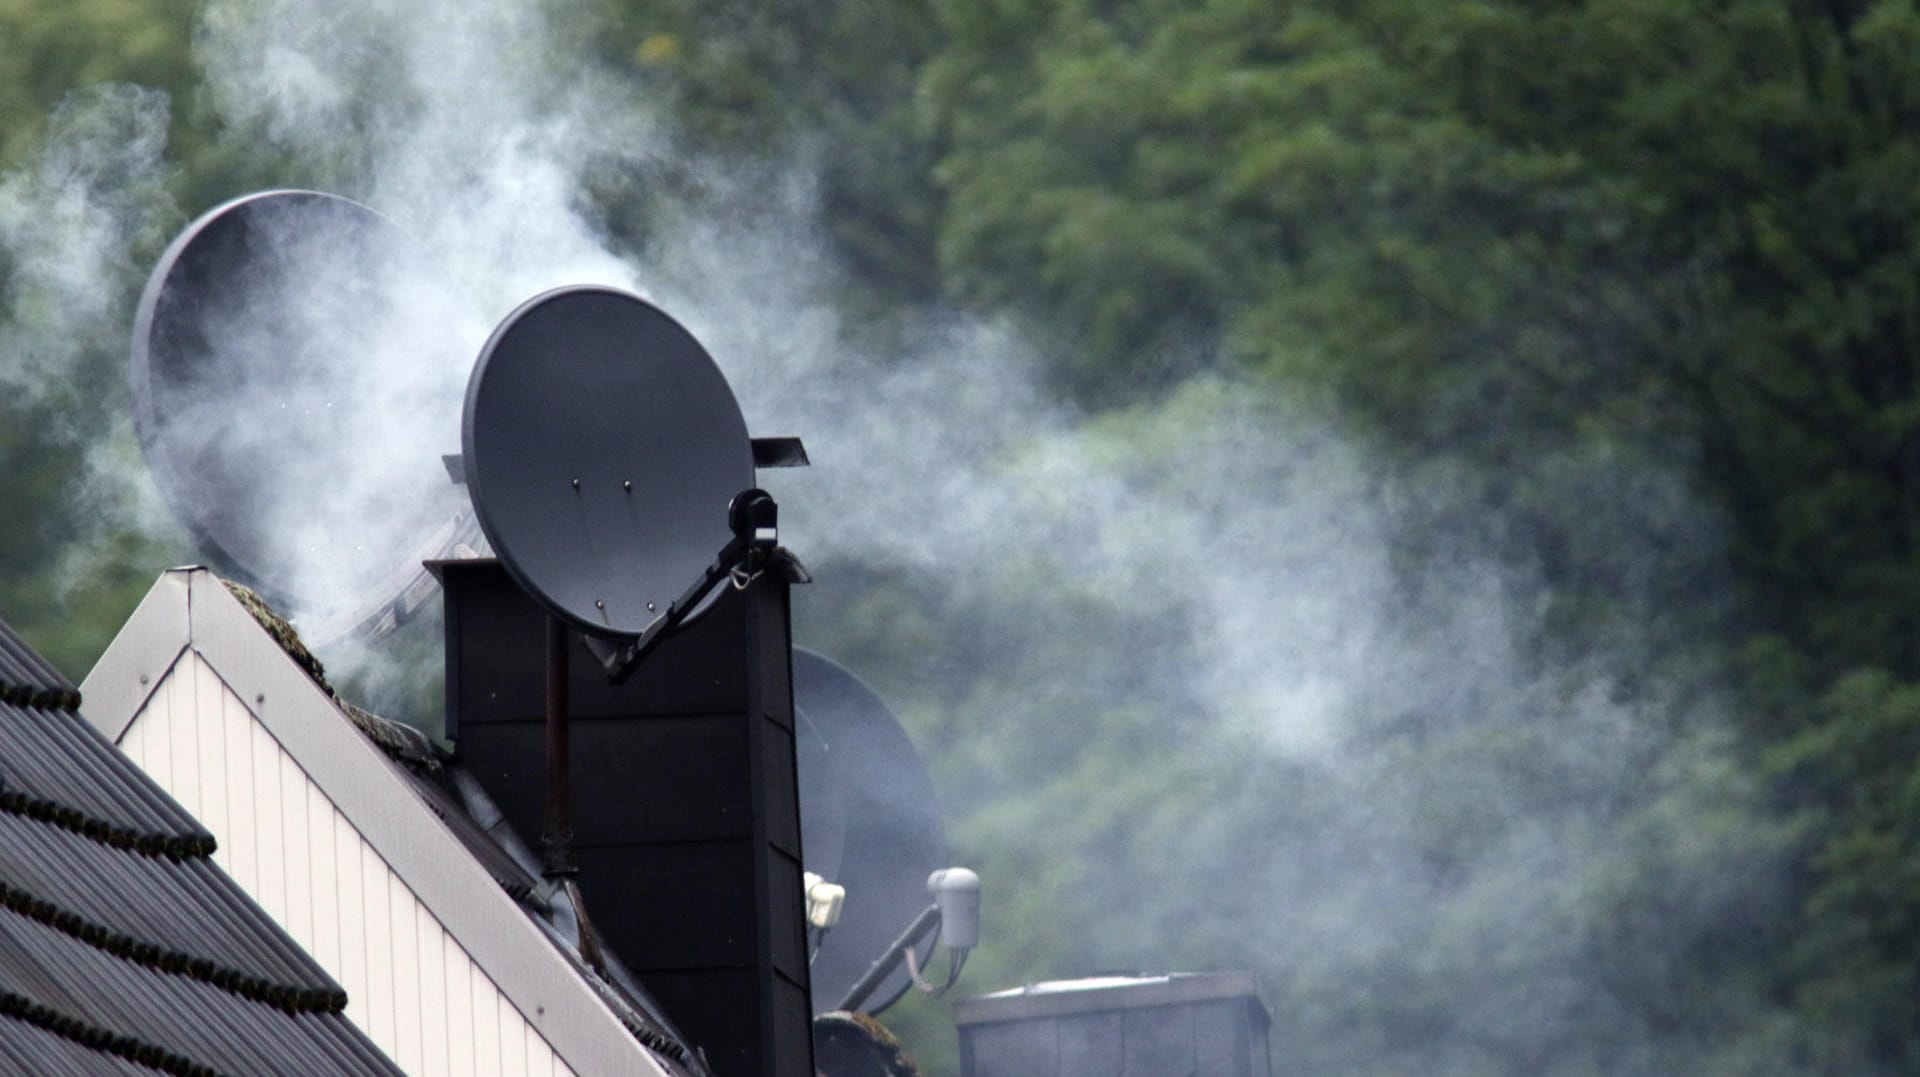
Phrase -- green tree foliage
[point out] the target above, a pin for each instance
(65, 582)
(816, 89)
(1574, 270)
(53, 50)
(1500, 230)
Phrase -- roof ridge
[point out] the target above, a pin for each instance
(98, 1038)
(67, 817)
(291, 998)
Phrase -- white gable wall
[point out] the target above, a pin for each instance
(443, 969)
(411, 987)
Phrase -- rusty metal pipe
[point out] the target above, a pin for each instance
(557, 840)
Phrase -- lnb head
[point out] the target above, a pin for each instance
(754, 518)
(824, 900)
(957, 893)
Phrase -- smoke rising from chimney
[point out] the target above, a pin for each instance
(1345, 765)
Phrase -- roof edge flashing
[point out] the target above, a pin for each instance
(141, 655)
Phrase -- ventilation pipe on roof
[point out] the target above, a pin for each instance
(556, 839)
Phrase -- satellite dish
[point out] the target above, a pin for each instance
(295, 361)
(602, 449)
(865, 796)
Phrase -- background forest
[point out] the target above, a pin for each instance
(1419, 500)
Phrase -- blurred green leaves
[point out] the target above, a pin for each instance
(1623, 296)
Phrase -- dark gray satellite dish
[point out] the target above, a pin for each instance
(294, 366)
(602, 449)
(611, 471)
(865, 796)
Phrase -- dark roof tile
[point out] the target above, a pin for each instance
(26, 1047)
(25, 677)
(94, 996)
(122, 947)
(57, 768)
(178, 916)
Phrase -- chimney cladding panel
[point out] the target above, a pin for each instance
(675, 778)
(685, 802)
(495, 636)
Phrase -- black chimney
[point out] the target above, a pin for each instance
(685, 805)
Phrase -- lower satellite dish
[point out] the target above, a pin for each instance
(296, 362)
(865, 795)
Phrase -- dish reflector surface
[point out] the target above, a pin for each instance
(602, 448)
(295, 372)
(868, 821)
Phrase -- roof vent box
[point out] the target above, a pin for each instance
(1210, 1024)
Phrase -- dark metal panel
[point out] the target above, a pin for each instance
(780, 784)
(495, 659)
(793, 1029)
(1093, 1043)
(787, 1017)
(718, 1009)
(672, 906)
(677, 778)
(770, 650)
(1021, 1049)
(779, 452)
(1223, 1039)
(1159, 1043)
(508, 872)
(786, 937)
(1210, 1024)
(685, 805)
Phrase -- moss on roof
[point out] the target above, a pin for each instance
(400, 741)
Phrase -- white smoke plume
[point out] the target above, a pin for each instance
(69, 224)
(71, 221)
(1363, 766)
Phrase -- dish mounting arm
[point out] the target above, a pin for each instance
(755, 547)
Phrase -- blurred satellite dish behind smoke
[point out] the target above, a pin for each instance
(296, 363)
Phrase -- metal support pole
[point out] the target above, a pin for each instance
(557, 839)
(928, 919)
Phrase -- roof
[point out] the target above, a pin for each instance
(123, 947)
(411, 803)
